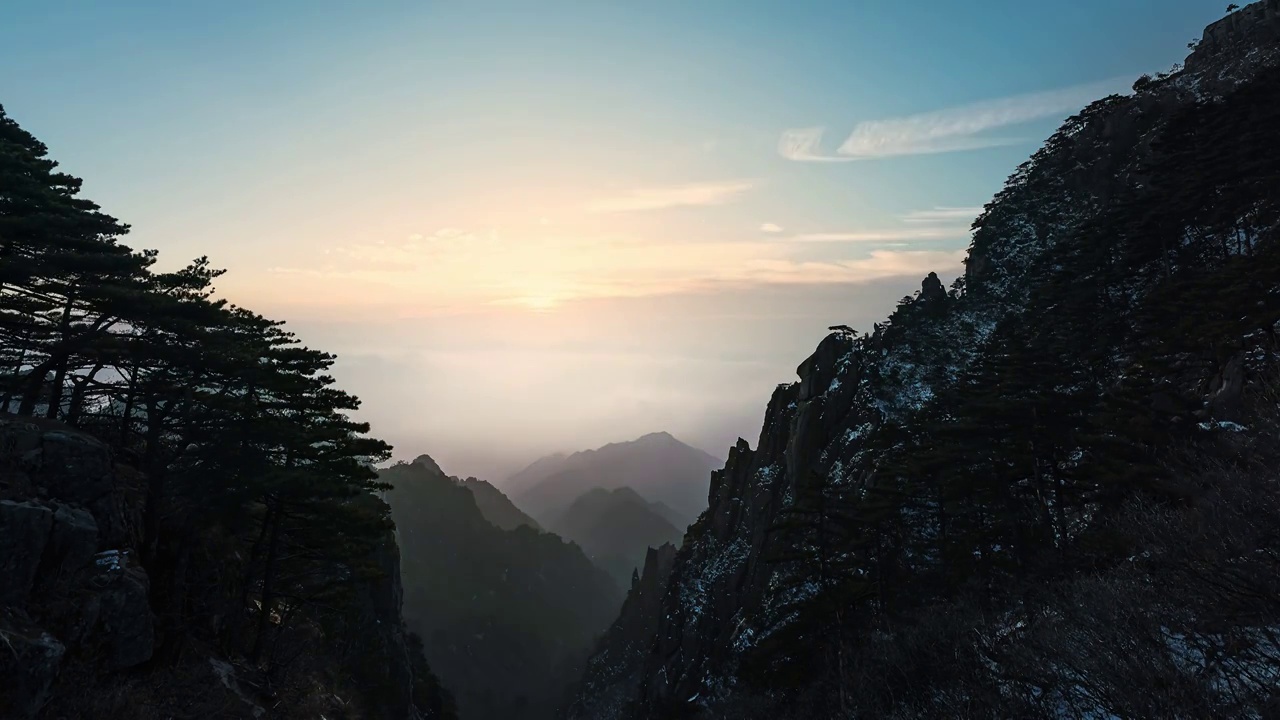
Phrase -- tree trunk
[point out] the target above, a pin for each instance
(247, 580)
(126, 422)
(11, 382)
(33, 385)
(55, 390)
(61, 362)
(151, 462)
(77, 395)
(268, 592)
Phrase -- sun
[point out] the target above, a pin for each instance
(539, 303)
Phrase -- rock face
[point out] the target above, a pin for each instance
(382, 632)
(29, 667)
(612, 676)
(58, 508)
(722, 596)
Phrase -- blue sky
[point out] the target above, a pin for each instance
(455, 194)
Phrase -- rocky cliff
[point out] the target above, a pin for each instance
(72, 589)
(77, 629)
(611, 679)
(1063, 227)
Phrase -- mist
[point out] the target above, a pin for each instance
(485, 393)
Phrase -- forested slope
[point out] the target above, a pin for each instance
(188, 518)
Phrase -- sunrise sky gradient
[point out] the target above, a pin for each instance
(528, 227)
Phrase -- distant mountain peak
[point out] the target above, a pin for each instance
(660, 435)
(427, 462)
(615, 527)
(656, 467)
(496, 507)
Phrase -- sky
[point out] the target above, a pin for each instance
(528, 227)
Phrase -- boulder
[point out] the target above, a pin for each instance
(49, 460)
(24, 532)
(119, 614)
(72, 542)
(29, 660)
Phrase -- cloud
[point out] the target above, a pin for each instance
(693, 194)
(942, 215)
(939, 223)
(770, 228)
(948, 130)
(804, 144)
(878, 265)
(884, 236)
(539, 271)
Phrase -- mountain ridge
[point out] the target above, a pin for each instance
(616, 528)
(657, 465)
(517, 607)
(858, 444)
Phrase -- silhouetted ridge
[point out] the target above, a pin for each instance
(657, 466)
(1048, 492)
(507, 615)
(616, 528)
(496, 507)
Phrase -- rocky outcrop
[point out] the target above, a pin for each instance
(612, 677)
(1238, 43)
(45, 460)
(24, 532)
(62, 588)
(28, 664)
(384, 638)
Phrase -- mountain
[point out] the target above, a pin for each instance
(1045, 493)
(657, 465)
(616, 528)
(496, 507)
(506, 616)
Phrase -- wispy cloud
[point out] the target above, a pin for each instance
(939, 223)
(877, 265)
(657, 198)
(943, 215)
(948, 130)
(770, 228)
(878, 236)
